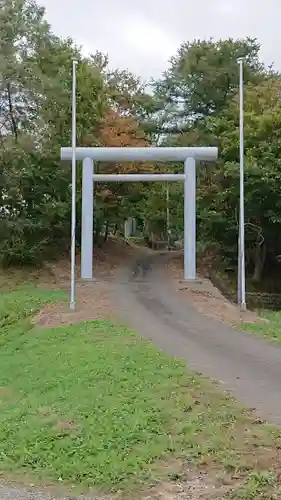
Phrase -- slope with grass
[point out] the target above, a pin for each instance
(269, 329)
(96, 405)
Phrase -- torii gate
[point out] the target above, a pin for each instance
(187, 155)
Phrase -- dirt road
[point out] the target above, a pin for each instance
(247, 366)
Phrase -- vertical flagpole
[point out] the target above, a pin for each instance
(241, 255)
(73, 188)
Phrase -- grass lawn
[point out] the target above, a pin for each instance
(94, 404)
(270, 329)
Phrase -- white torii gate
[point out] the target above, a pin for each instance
(187, 155)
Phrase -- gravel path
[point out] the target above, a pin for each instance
(247, 366)
(17, 493)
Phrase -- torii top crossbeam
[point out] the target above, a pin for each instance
(157, 154)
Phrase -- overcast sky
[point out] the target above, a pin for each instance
(143, 37)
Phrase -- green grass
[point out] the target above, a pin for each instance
(94, 404)
(269, 329)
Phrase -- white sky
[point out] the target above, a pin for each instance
(143, 37)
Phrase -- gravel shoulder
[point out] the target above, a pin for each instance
(20, 493)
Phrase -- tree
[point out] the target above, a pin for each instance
(22, 30)
(35, 96)
(36, 121)
(219, 200)
(203, 78)
(119, 130)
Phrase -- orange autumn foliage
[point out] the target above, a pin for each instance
(123, 131)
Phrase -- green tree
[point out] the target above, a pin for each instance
(218, 200)
(22, 30)
(203, 76)
(35, 121)
(35, 93)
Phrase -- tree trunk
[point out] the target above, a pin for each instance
(106, 232)
(11, 111)
(97, 234)
(259, 260)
